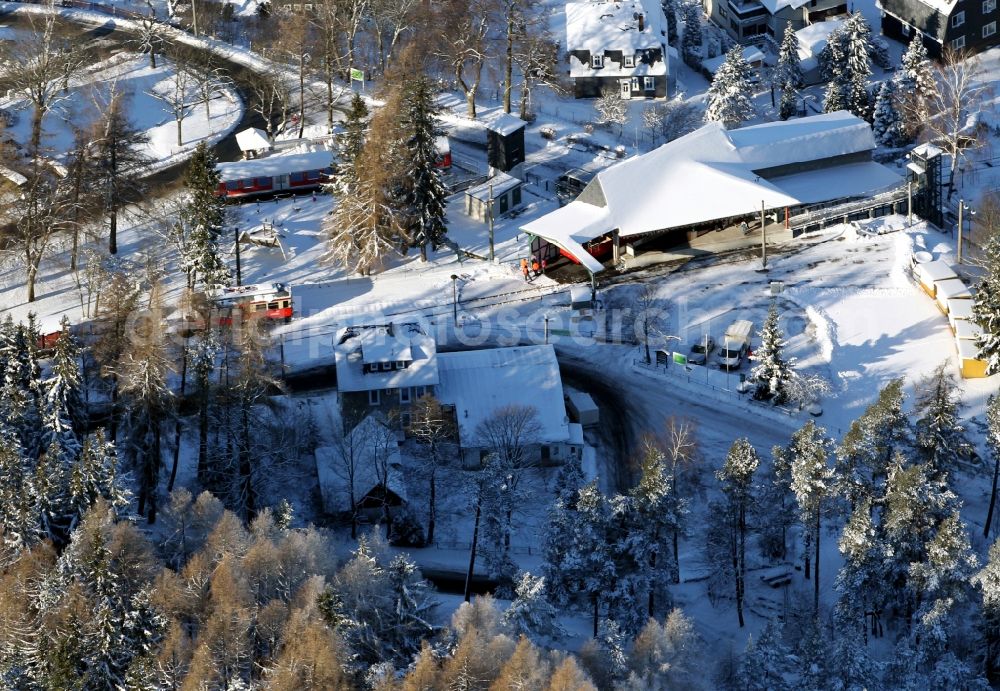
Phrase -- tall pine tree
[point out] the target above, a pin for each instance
(888, 124)
(736, 478)
(204, 215)
(772, 371)
(986, 307)
(425, 196)
(813, 485)
(730, 92)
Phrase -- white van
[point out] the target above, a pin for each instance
(734, 344)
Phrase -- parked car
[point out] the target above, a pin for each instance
(735, 344)
(700, 351)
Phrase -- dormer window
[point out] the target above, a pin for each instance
(597, 61)
(629, 61)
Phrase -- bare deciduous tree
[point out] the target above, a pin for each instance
(433, 427)
(271, 98)
(463, 43)
(960, 90)
(679, 443)
(174, 93)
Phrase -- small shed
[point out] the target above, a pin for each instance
(253, 142)
(950, 289)
(504, 191)
(968, 359)
(959, 309)
(930, 273)
(582, 409)
(505, 144)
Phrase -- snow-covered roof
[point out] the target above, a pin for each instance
(375, 344)
(713, 173)
(600, 26)
(929, 272)
(500, 184)
(504, 123)
(967, 330)
(751, 54)
(775, 6)
(480, 382)
(276, 164)
(813, 38)
(252, 139)
(959, 309)
(370, 436)
(13, 176)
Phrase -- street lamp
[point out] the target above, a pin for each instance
(962, 206)
(454, 296)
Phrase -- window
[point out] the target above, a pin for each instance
(905, 29)
(385, 366)
(400, 364)
(373, 397)
(958, 19)
(404, 394)
(958, 43)
(597, 61)
(989, 6)
(629, 61)
(989, 29)
(419, 391)
(297, 177)
(722, 12)
(405, 419)
(635, 83)
(648, 83)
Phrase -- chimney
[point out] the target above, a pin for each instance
(642, 22)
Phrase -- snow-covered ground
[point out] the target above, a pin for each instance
(130, 75)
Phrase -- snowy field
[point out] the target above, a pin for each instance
(144, 89)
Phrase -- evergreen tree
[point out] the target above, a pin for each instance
(993, 444)
(655, 514)
(766, 662)
(18, 513)
(19, 392)
(736, 478)
(775, 505)
(888, 125)
(787, 104)
(530, 613)
(916, 74)
(866, 451)
(860, 582)
(426, 194)
(986, 307)
(940, 436)
(788, 70)
(673, 16)
(204, 214)
(62, 407)
(729, 94)
(813, 485)
(771, 371)
(351, 141)
(988, 582)
(692, 40)
(846, 63)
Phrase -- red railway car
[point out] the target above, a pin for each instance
(280, 172)
(272, 301)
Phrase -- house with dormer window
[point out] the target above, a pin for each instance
(619, 47)
(962, 25)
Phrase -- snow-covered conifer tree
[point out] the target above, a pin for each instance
(986, 307)
(351, 141)
(655, 513)
(916, 74)
(62, 406)
(530, 613)
(19, 392)
(18, 513)
(940, 436)
(988, 581)
(691, 42)
(673, 16)
(859, 582)
(788, 70)
(888, 124)
(729, 96)
(813, 485)
(425, 195)
(845, 63)
(771, 370)
(204, 215)
(866, 451)
(774, 508)
(767, 662)
(736, 478)
(993, 444)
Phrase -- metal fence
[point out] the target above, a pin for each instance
(819, 216)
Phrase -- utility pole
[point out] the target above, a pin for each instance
(763, 236)
(490, 203)
(239, 272)
(909, 203)
(194, 16)
(961, 205)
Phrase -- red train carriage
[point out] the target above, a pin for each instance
(281, 172)
(272, 301)
(443, 148)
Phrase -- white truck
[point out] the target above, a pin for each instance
(734, 344)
